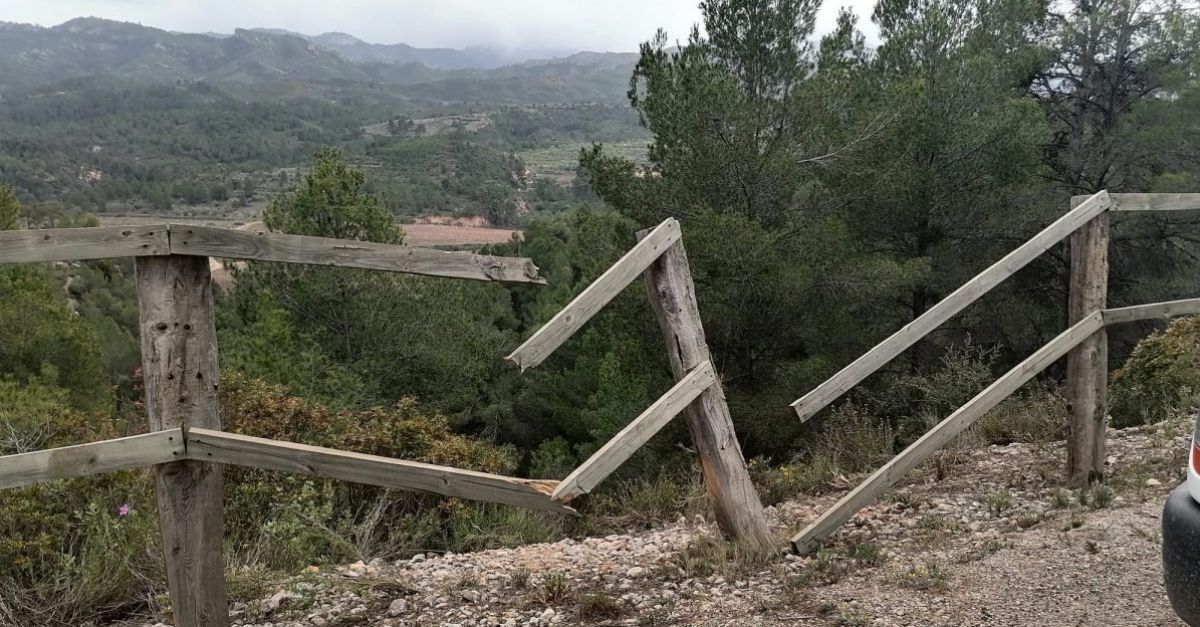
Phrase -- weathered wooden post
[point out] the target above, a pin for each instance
(179, 365)
(727, 479)
(1087, 364)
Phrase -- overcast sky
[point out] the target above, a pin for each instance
(598, 25)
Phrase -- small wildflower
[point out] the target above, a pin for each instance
(124, 509)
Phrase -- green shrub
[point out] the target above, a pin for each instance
(928, 576)
(782, 482)
(69, 554)
(708, 555)
(999, 502)
(31, 415)
(1036, 416)
(645, 501)
(596, 606)
(554, 590)
(852, 441)
(923, 399)
(1160, 378)
(552, 459)
(287, 521)
(849, 441)
(43, 341)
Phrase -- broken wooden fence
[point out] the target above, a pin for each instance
(1084, 343)
(659, 256)
(187, 447)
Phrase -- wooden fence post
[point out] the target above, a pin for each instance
(179, 366)
(1087, 364)
(738, 509)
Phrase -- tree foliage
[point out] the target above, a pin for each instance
(43, 342)
(10, 209)
(1110, 57)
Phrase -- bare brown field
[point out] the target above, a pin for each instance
(452, 235)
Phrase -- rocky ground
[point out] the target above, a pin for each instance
(983, 537)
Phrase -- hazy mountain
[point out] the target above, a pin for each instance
(32, 55)
(477, 57)
(272, 63)
(586, 76)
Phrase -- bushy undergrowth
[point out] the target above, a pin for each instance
(856, 438)
(850, 441)
(88, 549)
(1160, 378)
(854, 441)
(77, 550)
(1034, 416)
(289, 521)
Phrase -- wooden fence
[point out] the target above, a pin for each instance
(1084, 343)
(187, 447)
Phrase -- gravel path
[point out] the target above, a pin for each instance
(995, 543)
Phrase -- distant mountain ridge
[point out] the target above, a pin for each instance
(251, 59)
(475, 57)
(30, 56)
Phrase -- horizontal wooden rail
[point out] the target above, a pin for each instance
(567, 321)
(623, 445)
(959, 299)
(1155, 202)
(942, 433)
(264, 246)
(136, 451)
(1151, 311)
(37, 245)
(229, 448)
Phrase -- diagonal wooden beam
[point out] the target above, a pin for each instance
(942, 433)
(623, 445)
(136, 451)
(37, 245)
(1152, 311)
(567, 321)
(326, 251)
(1154, 202)
(900, 341)
(243, 450)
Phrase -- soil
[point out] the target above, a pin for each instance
(983, 537)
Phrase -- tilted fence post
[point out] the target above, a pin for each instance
(179, 366)
(738, 509)
(1087, 364)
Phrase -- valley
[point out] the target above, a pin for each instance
(117, 119)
